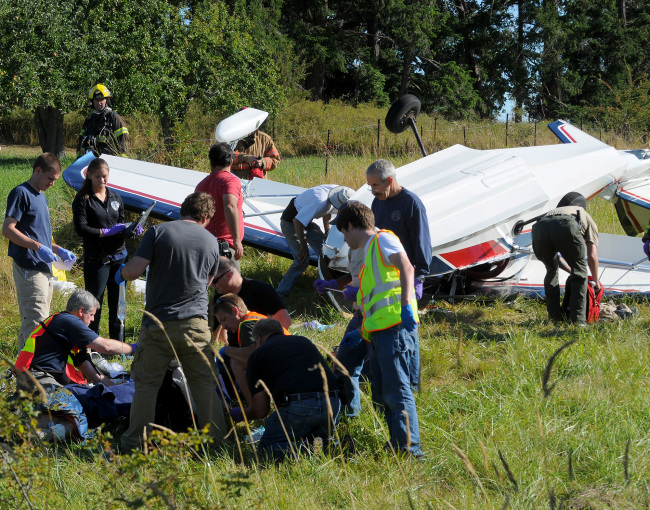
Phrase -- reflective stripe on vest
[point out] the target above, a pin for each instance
(250, 316)
(254, 316)
(381, 291)
(26, 356)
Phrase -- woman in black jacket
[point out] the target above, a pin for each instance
(98, 214)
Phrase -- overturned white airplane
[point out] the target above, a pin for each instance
(480, 204)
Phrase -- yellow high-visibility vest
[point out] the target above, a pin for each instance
(380, 292)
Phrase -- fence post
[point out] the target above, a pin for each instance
(327, 151)
(273, 126)
(464, 137)
(507, 120)
(535, 138)
(435, 127)
(600, 133)
(378, 134)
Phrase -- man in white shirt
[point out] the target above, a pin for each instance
(390, 322)
(300, 230)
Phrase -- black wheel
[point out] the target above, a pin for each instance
(407, 106)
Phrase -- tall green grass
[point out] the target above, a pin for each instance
(481, 401)
(302, 129)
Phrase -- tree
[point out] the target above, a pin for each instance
(156, 56)
(38, 55)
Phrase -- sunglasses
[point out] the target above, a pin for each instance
(215, 280)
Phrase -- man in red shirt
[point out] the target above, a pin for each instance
(227, 224)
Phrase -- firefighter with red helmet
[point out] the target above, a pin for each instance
(104, 131)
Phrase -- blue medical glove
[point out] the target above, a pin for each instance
(134, 347)
(139, 229)
(115, 229)
(46, 254)
(419, 289)
(66, 255)
(118, 276)
(646, 249)
(237, 414)
(352, 338)
(321, 286)
(408, 318)
(350, 293)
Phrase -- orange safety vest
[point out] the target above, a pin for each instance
(26, 356)
(253, 316)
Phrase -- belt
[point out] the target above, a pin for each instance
(297, 397)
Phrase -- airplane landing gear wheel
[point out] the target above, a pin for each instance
(405, 108)
(324, 271)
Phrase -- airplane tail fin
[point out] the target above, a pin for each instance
(567, 133)
(632, 204)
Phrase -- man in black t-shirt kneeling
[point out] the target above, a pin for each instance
(303, 387)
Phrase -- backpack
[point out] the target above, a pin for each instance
(593, 299)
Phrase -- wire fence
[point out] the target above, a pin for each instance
(313, 137)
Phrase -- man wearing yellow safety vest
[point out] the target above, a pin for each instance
(104, 130)
(390, 322)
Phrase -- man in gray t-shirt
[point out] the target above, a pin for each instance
(182, 257)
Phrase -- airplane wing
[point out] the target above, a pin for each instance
(140, 183)
(475, 197)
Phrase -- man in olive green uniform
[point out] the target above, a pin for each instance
(571, 232)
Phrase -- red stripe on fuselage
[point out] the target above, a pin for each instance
(478, 253)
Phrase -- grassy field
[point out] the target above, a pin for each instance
(493, 439)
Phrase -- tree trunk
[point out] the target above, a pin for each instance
(622, 12)
(372, 30)
(407, 67)
(49, 123)
(316, 81)
(519, 85)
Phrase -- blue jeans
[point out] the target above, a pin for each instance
(314, 236)
(97, 278)
(353, 357)
(304, 419)
(393, 352)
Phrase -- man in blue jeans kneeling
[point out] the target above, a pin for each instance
(306, 398)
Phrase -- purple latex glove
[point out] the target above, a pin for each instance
(115, 229)
(134, 347)
(46, 254)
(646, 249)
(350, 293)
(321, 286)
(237, 414)
(408, 318)
(137, 232)
(67, 255)
(418, 286)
